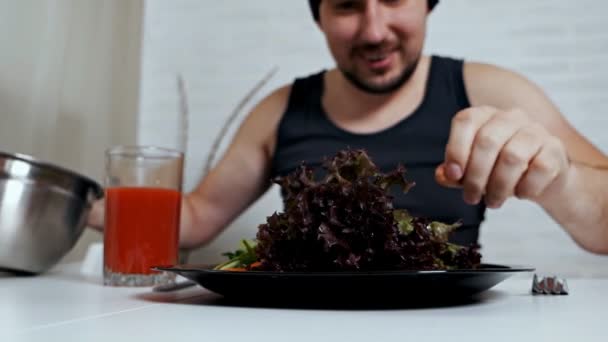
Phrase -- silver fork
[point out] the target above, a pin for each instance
(549, 285)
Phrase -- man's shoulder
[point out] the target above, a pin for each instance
(280, 93)
(274, 103)
(279, 97)
(283, 91)
(475, 68)
(480, 71)
(489, 84)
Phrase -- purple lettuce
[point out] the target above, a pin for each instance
(346, 221)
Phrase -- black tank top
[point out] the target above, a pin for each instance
(305, 133)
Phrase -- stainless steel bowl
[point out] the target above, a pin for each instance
(43, 211)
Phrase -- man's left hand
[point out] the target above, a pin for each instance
(497, 154)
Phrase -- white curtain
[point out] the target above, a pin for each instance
(69, 80)
(69, 76)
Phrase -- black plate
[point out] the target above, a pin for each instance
(347, 286)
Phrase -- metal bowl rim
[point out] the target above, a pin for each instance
(39, 163)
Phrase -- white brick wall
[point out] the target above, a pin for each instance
(223, 48)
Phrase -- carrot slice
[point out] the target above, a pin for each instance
(235, 269)
(255, 265)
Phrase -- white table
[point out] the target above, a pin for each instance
(63, 305)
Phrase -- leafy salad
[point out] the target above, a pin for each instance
(346, 222)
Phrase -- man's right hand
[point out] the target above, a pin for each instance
(96, 215)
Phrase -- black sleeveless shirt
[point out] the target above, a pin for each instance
(305, 133)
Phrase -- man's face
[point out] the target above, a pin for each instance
(376, 43)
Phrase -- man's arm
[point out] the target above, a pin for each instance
(239, 179)
(514, 141)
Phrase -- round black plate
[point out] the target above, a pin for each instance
(350, 286)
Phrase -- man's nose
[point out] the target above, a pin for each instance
(373, 24)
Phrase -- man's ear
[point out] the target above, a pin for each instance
(318, 18)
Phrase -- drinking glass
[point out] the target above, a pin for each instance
(142, 214)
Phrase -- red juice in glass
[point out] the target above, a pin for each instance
(141, 229)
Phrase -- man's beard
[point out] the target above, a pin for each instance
(384, 88)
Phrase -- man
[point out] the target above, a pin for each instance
(471, 135)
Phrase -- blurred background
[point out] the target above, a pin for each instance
(79, 76)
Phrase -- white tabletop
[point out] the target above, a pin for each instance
(64, 305)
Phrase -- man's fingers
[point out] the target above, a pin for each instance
(543, 170)
(95, 219)
(442, 179)
(465, 125)
(487, 145)
(511, 164)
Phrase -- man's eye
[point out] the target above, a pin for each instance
(393, 2)
(346, 5)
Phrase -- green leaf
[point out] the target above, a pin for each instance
(242, 257)
(394, 178)
(441, 231)
(404, 221)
